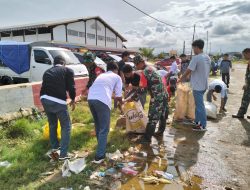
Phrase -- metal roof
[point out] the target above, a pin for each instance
(56, 23)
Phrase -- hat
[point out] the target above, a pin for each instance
(88, 57)
(137, 59)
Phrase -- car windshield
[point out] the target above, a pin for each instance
(69, 57)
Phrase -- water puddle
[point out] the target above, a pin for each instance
(160, 156)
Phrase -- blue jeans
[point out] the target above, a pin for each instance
(55, 112)
(200, 111)
(101, 115)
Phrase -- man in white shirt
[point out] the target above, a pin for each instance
(199, 68)
(218, 86)
(100, 101)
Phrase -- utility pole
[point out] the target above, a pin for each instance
(192, 41)
(207, 43)
(184, 47)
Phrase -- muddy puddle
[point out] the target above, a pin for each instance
(161, 157)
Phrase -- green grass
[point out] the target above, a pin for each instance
(23, 145)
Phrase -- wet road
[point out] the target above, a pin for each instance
(215, 160)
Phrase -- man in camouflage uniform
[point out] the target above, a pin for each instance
(158, 107)
(246, 95)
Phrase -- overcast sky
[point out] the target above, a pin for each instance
(227, 21)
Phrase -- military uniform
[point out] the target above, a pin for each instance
(246, 95)
(158, 107)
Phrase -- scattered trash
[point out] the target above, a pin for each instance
(46, 173)
(166, 175)
(86, 188)
(5, 164)
(94, 175)
(144, 154)
(63, 188)
(115, 156)
(155, 180)
(116, 185)
(65, 169)
(126, 154)
(110, 171)
(133, 150)
(75, 166)
(131, 164)
(130, 171)
(146, 169)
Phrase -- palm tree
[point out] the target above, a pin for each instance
(147, 52)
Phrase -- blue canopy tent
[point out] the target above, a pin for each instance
(15, 55)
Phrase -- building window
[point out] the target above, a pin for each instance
(110, 39)
(82, 34)
(91, 36)
(101, 38)
(76, 33)
(72, 33)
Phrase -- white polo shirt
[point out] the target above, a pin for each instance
(104, 86)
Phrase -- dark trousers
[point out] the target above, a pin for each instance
(101, 115)
(226, 78)
(55, 112)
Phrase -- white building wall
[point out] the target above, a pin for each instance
(110, 39)
(91, 32)
(30, 38)
(59, 33)
(6, 39)
(119, 42)
(100, 34)
(44, 37)
(79, 29)
(17, 38)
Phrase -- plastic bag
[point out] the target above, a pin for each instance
(136, 119)
(191, 106)
(211, 110)
(185, 106)
(181, 102)
(46, 131)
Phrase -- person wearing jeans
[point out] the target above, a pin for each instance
(57, 81)
(200, 111)
(55, 112)
(199, 68)
(100, 102)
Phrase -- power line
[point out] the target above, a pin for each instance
(154, 17)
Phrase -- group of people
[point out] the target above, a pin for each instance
(121, 79)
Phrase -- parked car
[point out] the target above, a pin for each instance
(21, 62)
(98, 61)
(167, 63)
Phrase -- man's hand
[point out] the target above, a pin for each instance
(214, 97)
(85, 91)
(179, 80)
(72, 104)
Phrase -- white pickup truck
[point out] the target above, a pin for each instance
(20, 62)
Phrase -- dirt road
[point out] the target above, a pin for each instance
(217, 159)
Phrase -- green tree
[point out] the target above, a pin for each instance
(161, 55)
(147, 52)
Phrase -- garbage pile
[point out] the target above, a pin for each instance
(119, 168)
